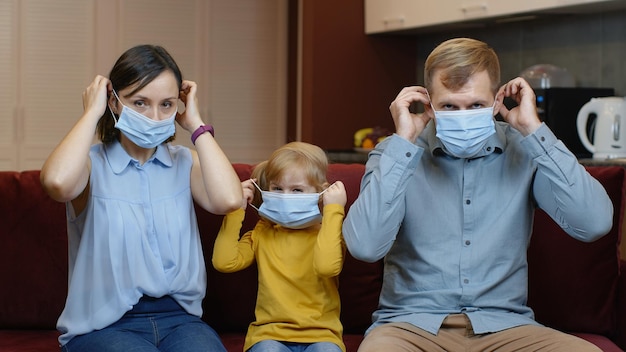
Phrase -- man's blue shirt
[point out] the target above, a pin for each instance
(454, 232)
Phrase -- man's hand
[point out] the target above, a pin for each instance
(524, 116)
(410, 125)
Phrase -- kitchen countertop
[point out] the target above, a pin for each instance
(603, 162)
(346, 156)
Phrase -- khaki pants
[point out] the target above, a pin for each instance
(456, 334)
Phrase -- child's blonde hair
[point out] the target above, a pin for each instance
(308, 157)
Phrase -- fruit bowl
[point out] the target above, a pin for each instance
(366, 139)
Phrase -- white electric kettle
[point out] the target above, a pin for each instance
(609, 131)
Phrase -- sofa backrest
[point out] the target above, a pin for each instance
(572, 284)
(33, 254)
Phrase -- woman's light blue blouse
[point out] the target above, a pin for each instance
(138, 235)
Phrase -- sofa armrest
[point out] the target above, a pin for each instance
(620, 337)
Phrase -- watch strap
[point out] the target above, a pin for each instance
(200, 130)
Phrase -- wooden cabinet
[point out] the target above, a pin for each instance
(344, 80)
(402, 15)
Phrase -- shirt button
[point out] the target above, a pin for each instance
(543, 139)
(467, 201)
(488, 149)
(408, 154)
(468, 242)
(465, 281)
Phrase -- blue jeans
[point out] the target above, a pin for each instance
(278, 346)
(154, 324)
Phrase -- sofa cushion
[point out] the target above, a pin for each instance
(572, 285)
(29, 340)
(230, 298)
(359, 282)
(34, 265)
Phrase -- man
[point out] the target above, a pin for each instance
(448, 201)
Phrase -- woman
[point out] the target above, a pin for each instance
(136, 269)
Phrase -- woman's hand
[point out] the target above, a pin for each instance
(95, 97)
(190, 119)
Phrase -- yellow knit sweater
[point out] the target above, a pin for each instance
(298, 298)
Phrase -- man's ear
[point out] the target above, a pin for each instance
(428, 110)
(497, 104)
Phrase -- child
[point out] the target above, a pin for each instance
(298, 252)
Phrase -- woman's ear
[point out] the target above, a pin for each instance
(113, 103)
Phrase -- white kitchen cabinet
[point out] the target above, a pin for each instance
(401, 15)
(391, 15)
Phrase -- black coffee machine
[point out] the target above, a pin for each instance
(558, 108)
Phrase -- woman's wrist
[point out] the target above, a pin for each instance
(202, 129)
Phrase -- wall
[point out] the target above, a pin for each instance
(347, 78)
(591, 46)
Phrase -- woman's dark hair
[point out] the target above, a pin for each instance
(137, 67)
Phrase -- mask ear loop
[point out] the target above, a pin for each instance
(255, 185)
(493, 107)
(430, 101)
(432, 107)
(260, 190)
(322, 192)
(112, 114)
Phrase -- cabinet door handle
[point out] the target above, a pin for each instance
(394, 22)
(474, 9)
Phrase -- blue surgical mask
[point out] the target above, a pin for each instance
(464, 133)
(291, 210)
(142, 130)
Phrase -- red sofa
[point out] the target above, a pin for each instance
(573, 286)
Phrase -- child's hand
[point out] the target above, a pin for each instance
(248, 189)
(335, 194)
